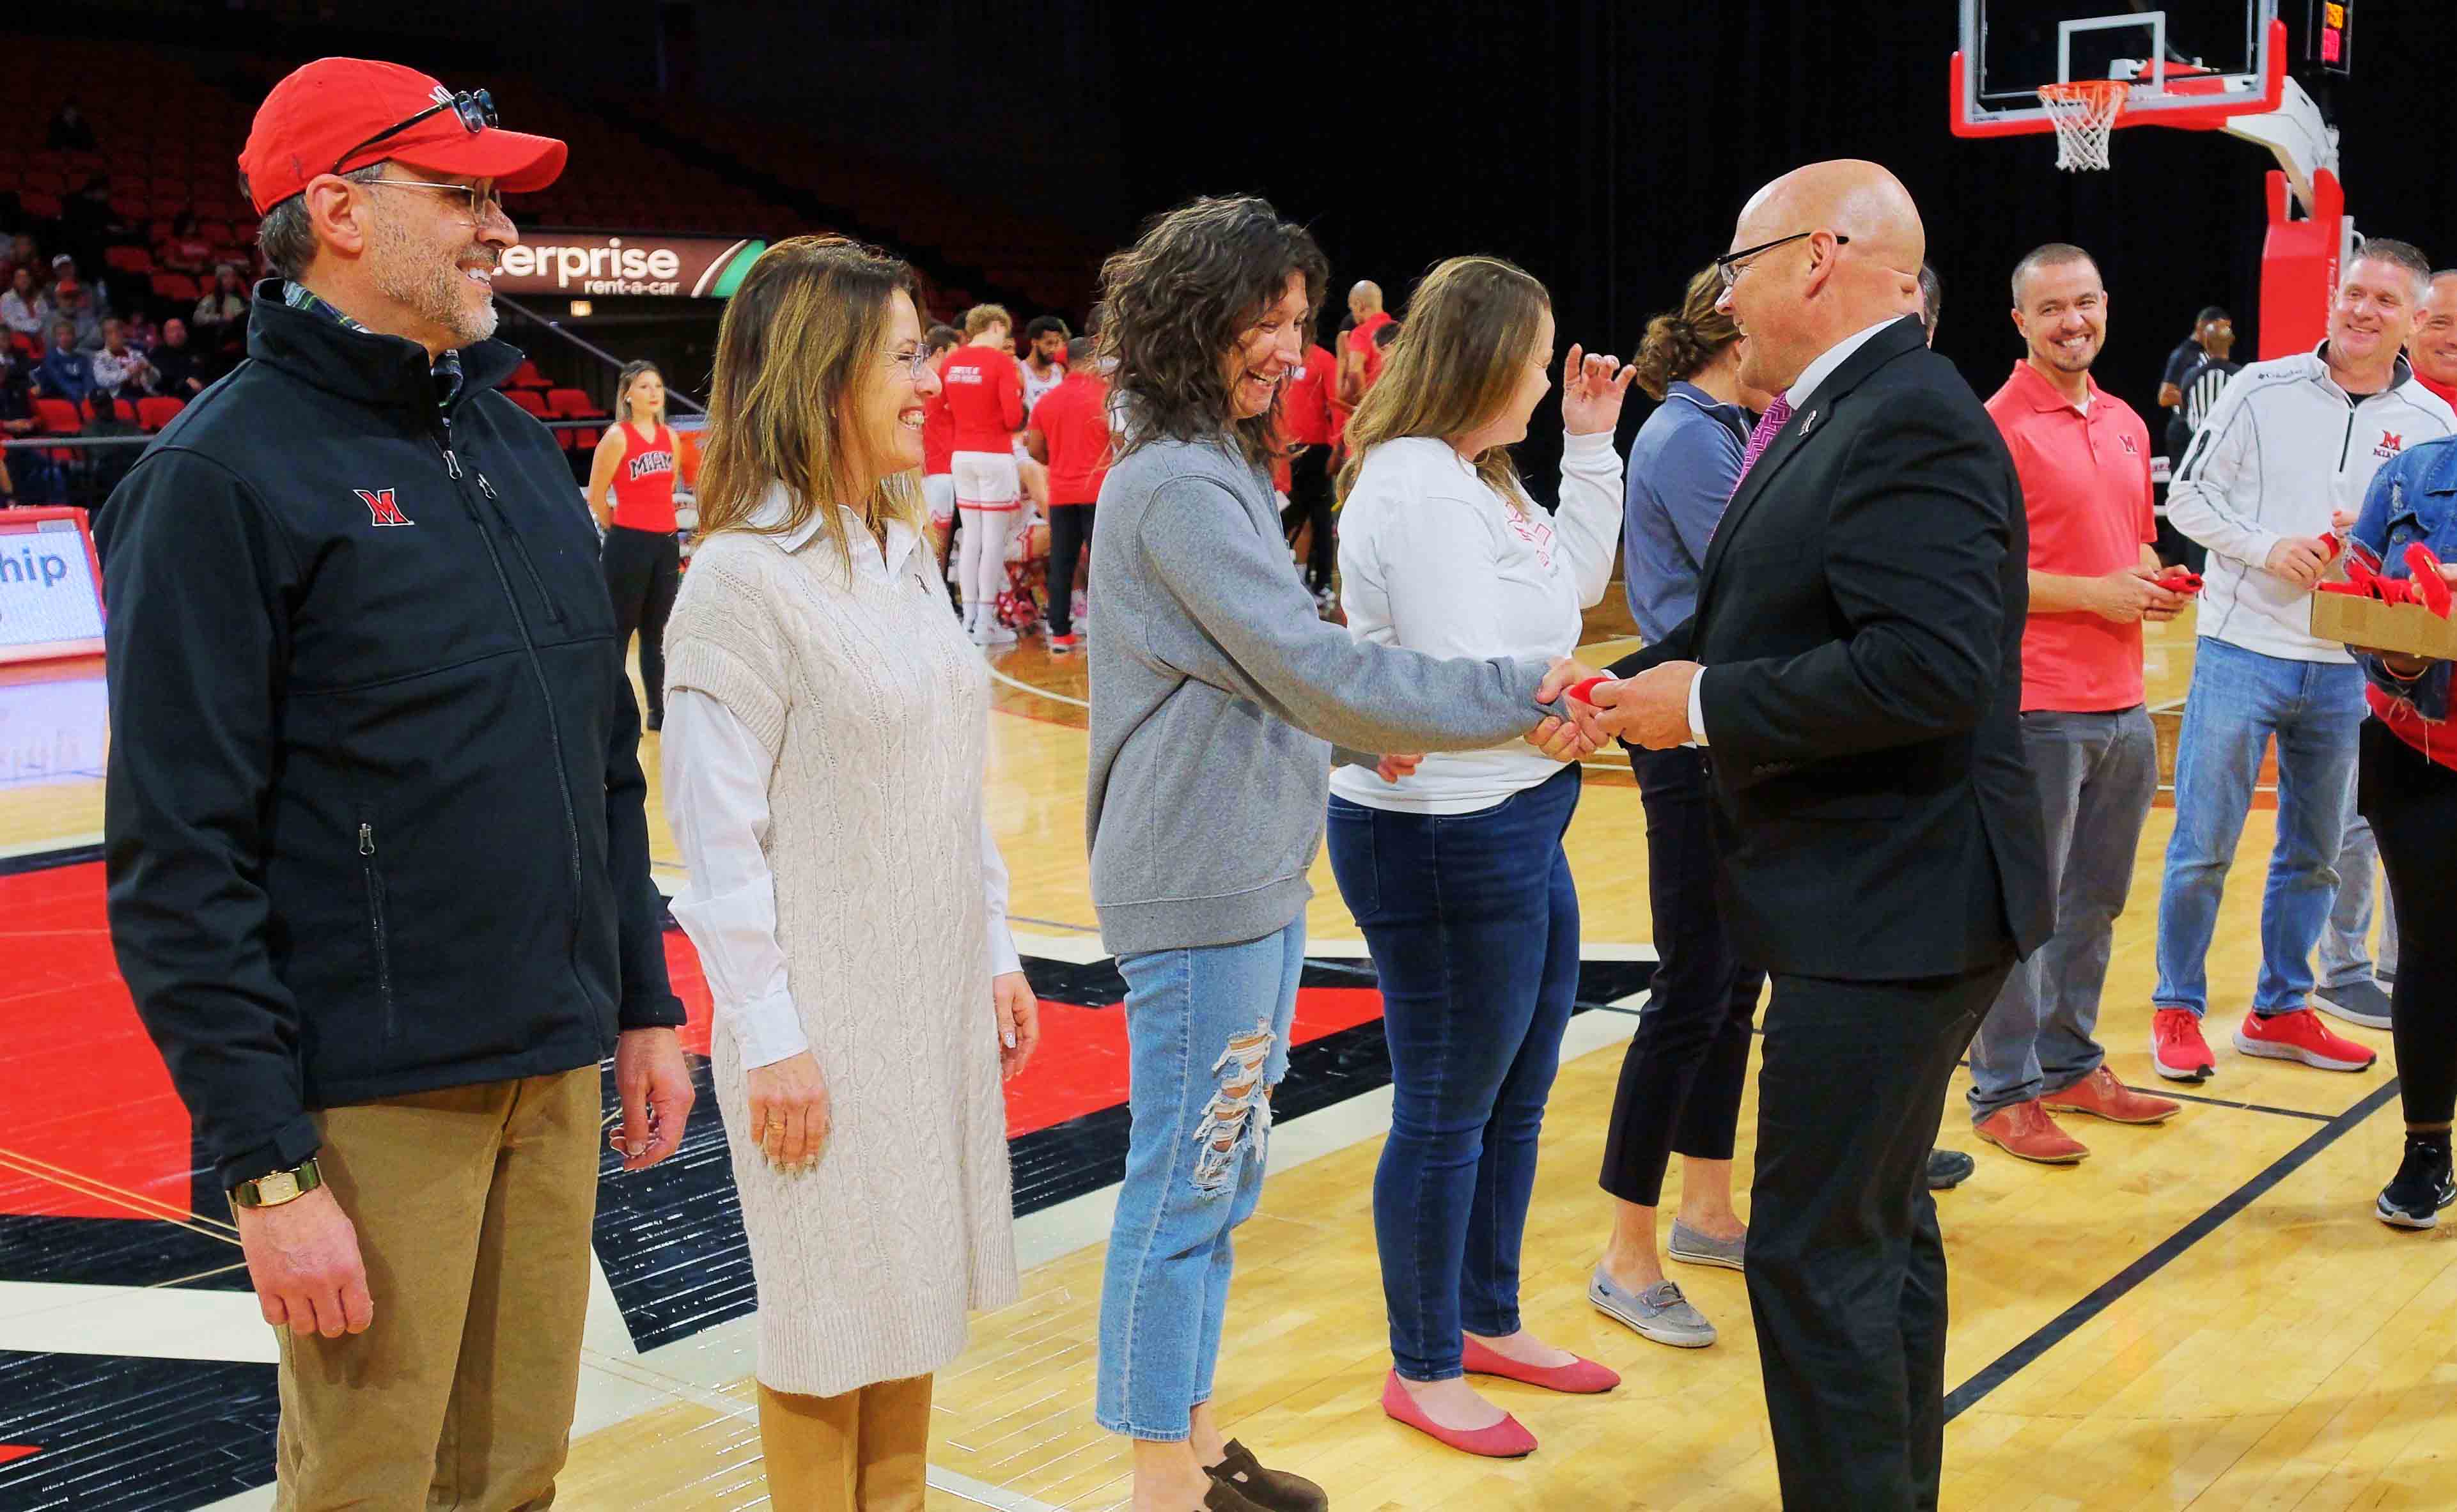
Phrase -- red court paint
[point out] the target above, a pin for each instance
(1081, 1066)
(89, 1093)
(87, 1089)
(16, 1451)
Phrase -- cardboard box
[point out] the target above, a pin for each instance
(2370, 623)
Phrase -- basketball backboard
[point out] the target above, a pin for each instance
(2191, 63)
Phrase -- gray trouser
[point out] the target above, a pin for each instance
(2097, 774)
(2345, 946)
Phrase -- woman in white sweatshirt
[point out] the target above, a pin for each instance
(1456, 873)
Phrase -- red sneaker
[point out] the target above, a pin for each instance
(2302, 1036)
(1064, 644)
(2176, 1051)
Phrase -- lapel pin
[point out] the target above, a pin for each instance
(1807, 420)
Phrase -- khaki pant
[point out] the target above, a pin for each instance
(867, 1450)
(473, 1208)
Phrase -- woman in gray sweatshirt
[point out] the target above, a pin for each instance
(1220, 702)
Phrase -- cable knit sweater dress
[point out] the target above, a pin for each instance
(875, 708)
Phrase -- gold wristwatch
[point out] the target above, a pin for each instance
(278, 1187)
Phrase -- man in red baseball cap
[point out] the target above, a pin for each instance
(376, 835)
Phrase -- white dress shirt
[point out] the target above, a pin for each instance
(716, 802)
(1798, 396)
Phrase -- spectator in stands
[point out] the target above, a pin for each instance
(142, 333)
(111, 417)
(72, 302)
(180, 366)
(184, 250)
(87, 223)
(120, 368)
(38, 480)
(66, 372)
(65, 270)
(69, 131)
(25, 252)
(24, 309)
(221, 315)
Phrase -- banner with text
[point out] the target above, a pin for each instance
(579, 264)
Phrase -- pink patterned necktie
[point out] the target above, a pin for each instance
(1767, 425)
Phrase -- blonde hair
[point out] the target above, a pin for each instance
(802, 338)
(622, 382)
(1681, 343)
(981, 317)
(1470, 324)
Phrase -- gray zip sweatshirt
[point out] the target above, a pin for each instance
(1218, 697)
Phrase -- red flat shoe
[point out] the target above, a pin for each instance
(1582, 1377)
(1505, 1440)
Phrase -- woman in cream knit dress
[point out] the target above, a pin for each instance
(826, 724)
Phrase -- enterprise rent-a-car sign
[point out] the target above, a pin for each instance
(581, 265)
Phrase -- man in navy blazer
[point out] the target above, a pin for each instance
(1853, 673)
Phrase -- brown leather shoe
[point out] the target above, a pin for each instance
(1272, 1490)
(2101, 1095)
(2025, 1131)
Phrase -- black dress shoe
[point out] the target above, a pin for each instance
(1272, 1490)
(1948, 1169)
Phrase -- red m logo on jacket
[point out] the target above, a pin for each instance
(379, 505)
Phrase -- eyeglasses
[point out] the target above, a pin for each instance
(1732, 265)
(915, 363)
(484, 204)
(476, 108)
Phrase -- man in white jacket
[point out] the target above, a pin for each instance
(2291, 442)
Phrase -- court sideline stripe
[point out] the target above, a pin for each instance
(2068, 1322)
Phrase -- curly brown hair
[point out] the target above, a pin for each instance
(1176, 302)
(1679, 343)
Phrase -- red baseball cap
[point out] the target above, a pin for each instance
(316, 120)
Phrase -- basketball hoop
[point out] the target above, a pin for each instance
(2084, 114)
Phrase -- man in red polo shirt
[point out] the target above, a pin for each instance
(1305, 427)
(2084, 460)
(1360, 356)
(1070, 435)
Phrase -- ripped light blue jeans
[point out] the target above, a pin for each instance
(1207, 1039)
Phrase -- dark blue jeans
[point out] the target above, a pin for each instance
(1473, 926)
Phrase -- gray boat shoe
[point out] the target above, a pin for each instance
(1660, 1313)
(1697, 1249)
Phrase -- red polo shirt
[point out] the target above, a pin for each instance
(2446, 391)
(2086, 489)
(1074, 420)
(1305, 405)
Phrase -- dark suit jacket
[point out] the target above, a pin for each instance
(1860, 616)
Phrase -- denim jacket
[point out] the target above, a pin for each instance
(2412, 498)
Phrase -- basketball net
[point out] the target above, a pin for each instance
(2084, 114)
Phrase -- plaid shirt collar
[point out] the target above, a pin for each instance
(447, 367)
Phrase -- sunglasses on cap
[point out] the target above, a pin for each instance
(476, 108)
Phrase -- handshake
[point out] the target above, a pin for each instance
(1650, 710)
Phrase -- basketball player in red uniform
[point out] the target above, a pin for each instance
(984, 388)
(642, 556)
(939, 447)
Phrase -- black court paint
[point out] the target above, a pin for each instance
(2064, 1324)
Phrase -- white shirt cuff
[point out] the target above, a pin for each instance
(1698, 709)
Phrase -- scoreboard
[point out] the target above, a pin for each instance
(2332, 35)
